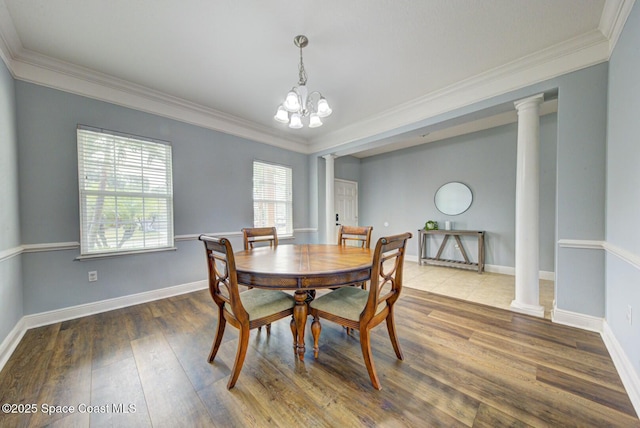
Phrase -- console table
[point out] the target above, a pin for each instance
(439, 261)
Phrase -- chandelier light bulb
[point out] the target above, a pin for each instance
(323, 108)
(296, 121)
(314, 120)
(292, 102)
(282, 116)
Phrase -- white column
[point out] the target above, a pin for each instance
(330, 212)
(528, 207)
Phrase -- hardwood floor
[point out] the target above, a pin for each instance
(465, 365)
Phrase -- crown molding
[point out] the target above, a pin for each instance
(580, 52)
(614, 16)
(9, 40)
(42, 70)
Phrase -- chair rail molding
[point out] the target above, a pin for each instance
(62, 246)
(10, 253)
(625, 255)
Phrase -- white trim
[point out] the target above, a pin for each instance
(568, 56)
(624, 255)
(195, 236)
(574, 319)
(504, 270)
(42, 70)
(509, 270)
(58, 315)
(62, 246)
(124, 253)
(9, 39)
(581, 243)
(50, 246)
(524, 308)
(10, 253)
(306, 230)
(625, 369)
(614, 16)
(10, 343)
(627, 256)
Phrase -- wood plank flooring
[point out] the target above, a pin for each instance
(465, 365)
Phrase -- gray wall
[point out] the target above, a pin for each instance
(347, 168)
(580, 182)
(11, 297)
(623, 189)
(212, 193)
(399, 188)
(582, 116)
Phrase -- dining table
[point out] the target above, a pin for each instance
(303, 268)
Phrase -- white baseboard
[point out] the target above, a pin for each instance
(10, 342)
(524, 308)
(58, 315)
(574, 319)
(504, 270)
(625, 369)
(50, 317)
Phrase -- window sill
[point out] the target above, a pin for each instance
(123, 253)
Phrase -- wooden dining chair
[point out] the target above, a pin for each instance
(361, 235)
(245, 311)
(259, 235)
(362, 310)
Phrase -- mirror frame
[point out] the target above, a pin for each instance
(462, 195)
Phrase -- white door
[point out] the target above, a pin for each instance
(345, 203)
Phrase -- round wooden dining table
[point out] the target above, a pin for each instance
(302, 268)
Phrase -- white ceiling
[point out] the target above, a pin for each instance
(227, 64)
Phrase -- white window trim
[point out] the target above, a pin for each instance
(166, 196)
(288, 233)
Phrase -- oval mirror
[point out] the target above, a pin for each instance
(453, 198)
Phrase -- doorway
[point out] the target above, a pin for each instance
(345, 203)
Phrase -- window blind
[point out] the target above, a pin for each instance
(273, 197)
(126, 192)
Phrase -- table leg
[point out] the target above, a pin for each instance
(300, 312)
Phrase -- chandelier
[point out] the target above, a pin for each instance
(299, 103)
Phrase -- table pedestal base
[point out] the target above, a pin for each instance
(299, 321)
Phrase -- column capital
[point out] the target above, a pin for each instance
(529, 102)
(331, 156)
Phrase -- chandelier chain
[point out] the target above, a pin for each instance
(302, 74)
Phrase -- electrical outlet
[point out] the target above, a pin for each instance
(93, 275)
(629, 314)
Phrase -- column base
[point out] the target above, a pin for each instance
(524, 308)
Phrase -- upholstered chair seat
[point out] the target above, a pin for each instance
(345, 302)
(362, 310)
(243, 310)
(262, 303)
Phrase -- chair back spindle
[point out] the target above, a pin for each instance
(355, 235)
(258, 235)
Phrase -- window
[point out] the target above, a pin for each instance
(126, 193)
(272, 197)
